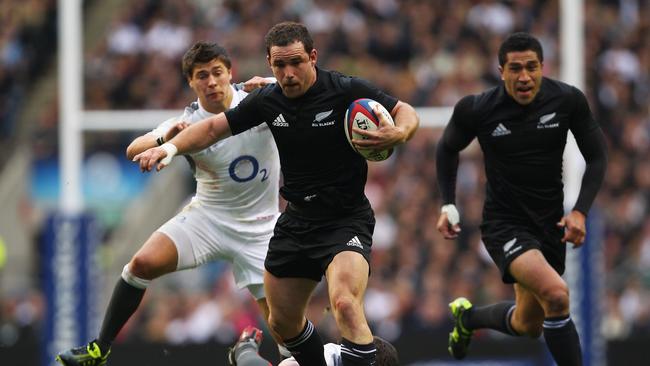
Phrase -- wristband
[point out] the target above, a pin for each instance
(160, 140)
(452, 213)
(171, 150)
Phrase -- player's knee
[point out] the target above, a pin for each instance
(282, 327)
(275, 324)
(133, 280)
(346, 308)
(142, 267)
(556, 301)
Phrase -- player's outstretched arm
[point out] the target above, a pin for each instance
(151, 139)
(193, 138)
(254, 83)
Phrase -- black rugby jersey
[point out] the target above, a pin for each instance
(523, 147)
(321, 171)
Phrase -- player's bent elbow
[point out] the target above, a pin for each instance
(409, 114)
(135, 147)
(130, 153)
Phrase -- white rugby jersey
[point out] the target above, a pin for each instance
(237, 176)
(331, 351)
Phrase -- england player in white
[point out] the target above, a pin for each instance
(231, 217)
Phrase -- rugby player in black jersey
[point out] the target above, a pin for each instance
(522, 128)
(328, 224)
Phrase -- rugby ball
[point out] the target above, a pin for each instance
(360, 114)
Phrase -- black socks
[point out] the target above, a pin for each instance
(124, 302)
(307, 347)
(495, 316)
(353, 354)
(563, 341)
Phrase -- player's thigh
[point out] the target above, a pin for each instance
(287, 297)
(347, 275)
(248, 254)
(199, 236)
(535, 274)
(155, 258)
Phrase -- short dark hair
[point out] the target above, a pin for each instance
(285, 33)
(203, 52)
(520, 41)
(386, 353)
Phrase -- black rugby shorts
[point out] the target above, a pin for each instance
(506, 241)
(304, 247)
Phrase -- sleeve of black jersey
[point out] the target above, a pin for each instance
(361, 88)
(246, 114)
(582, 120)
(460, 131)
(591, 142)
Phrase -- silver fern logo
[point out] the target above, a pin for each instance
(322, 115)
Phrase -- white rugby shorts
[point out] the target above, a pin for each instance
(203, 235)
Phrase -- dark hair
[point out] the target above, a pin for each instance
(201, 53)
(386, 353)
(520, 41)
(285, 33)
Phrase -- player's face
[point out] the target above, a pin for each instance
(522, 75)
(293, 67)
(211, 83)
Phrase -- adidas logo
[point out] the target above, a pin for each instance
(355, 242)
(501, 130)
(279, 121)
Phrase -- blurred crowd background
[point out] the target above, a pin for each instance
(427, 53)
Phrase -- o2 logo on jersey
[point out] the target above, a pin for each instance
(246, 168)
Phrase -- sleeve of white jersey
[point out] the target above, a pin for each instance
(162, 128)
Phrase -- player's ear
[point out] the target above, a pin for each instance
(500, 68)
(313, 56)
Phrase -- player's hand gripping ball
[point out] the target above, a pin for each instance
(360, 114)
